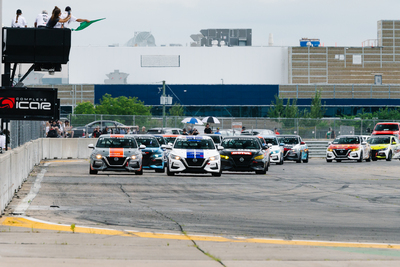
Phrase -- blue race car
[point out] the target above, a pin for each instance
(153, 154)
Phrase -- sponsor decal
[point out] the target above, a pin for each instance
(241, 153)
(344, 147)
(193, 154)
(117, 135)
(116, 152)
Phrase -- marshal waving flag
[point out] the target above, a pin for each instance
(86, 24)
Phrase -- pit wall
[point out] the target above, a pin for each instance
(16, 164)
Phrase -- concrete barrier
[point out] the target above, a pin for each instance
(16, 164)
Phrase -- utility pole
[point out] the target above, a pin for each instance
(164, 99)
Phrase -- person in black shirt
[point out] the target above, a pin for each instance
(184, 132)
(55, 17)
(207, 130)
(96, 132)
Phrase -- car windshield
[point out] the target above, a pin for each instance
(155, 131)
(379, 140)
(161, 140)
(387, 127)
(170, 139)
(272, 141)
(289, 140)
(194, 143)
(216, 139)
(240, 143)
(347, 140)
(147, 141)
(116, 143)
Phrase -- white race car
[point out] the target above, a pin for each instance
(276, 148)
(194, 154)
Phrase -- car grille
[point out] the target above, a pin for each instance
(146, 158)
(195, 162)
(116, 161)
(341, 153)
(245, 162)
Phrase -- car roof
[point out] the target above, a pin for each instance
(242, 136)
(194, 137)
(388, 123)
(117, 135)
(169, 135)
(381, 135)
(143, 135)
(287, 135)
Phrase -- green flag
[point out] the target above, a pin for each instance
(86, 24)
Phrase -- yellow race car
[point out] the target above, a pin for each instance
(384, 147)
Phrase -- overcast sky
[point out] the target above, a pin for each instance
(341, 22)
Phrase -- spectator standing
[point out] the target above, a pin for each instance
(19, 21)
(143, 129)
(329, 134)
(207, 130)
(96, 133)
(184, 132)
(67, 24)
(217, 131)
(55, 17)
(195, 132)
(276, 131)
(189, 130)
(41, 19)
(2, 141)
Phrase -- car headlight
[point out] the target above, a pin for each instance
(176, 157)
(259, 156)
(98, 156)
(157, 155)
(355, 149)
(330, 149)
(224, 157)
(212, 158)
(133, 157)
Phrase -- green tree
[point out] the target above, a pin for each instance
(317, 110)
(85, 108)
(177, 110)
(122, 106)
(276, 110)
(291, 110)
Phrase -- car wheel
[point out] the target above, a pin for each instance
(306, 160)
(140, 172)
(361, 157)
(216, 174)
(169, 173)
(375, 159)
(92, 171)
(369, 157)
(299, 160)
(389, 158)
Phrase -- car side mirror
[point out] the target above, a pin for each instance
(142, 146)
(220, 147)
(269, 145)
(329, 143)
(265, 146)
(170, 144)
(163, 147)
(91, 146)
(364, 143)
(302, 143)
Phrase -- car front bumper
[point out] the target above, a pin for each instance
(181, 166)
(350, 155)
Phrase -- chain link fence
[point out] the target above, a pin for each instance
(306, 128)
(22, 132)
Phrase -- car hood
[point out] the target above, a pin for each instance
(194, 153)
(379, 146)
(116, 152)
(153, 149)
(338, 146)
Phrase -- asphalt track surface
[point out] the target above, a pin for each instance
(347, 203)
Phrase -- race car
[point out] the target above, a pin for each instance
(275, 148)
(294, 148)
(153, 154)
(170, 138)
(244, 153)
(384, 147)
(348, 147)
(116, 152)
(194, 154)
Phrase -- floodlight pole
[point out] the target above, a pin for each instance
(163, 108)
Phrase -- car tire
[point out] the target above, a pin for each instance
(92, 171)
(306, 160)
(375, 159)
(328, 160)
(216, 174)
(169, 173)
(361, 157)
(389, 158)
(299, 160)
(369, 158)
(140, 172)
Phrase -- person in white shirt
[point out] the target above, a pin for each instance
(42, 19)
(19, 21)
(72, 19)
(2, 141)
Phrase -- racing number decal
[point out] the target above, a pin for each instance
(116, 152)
